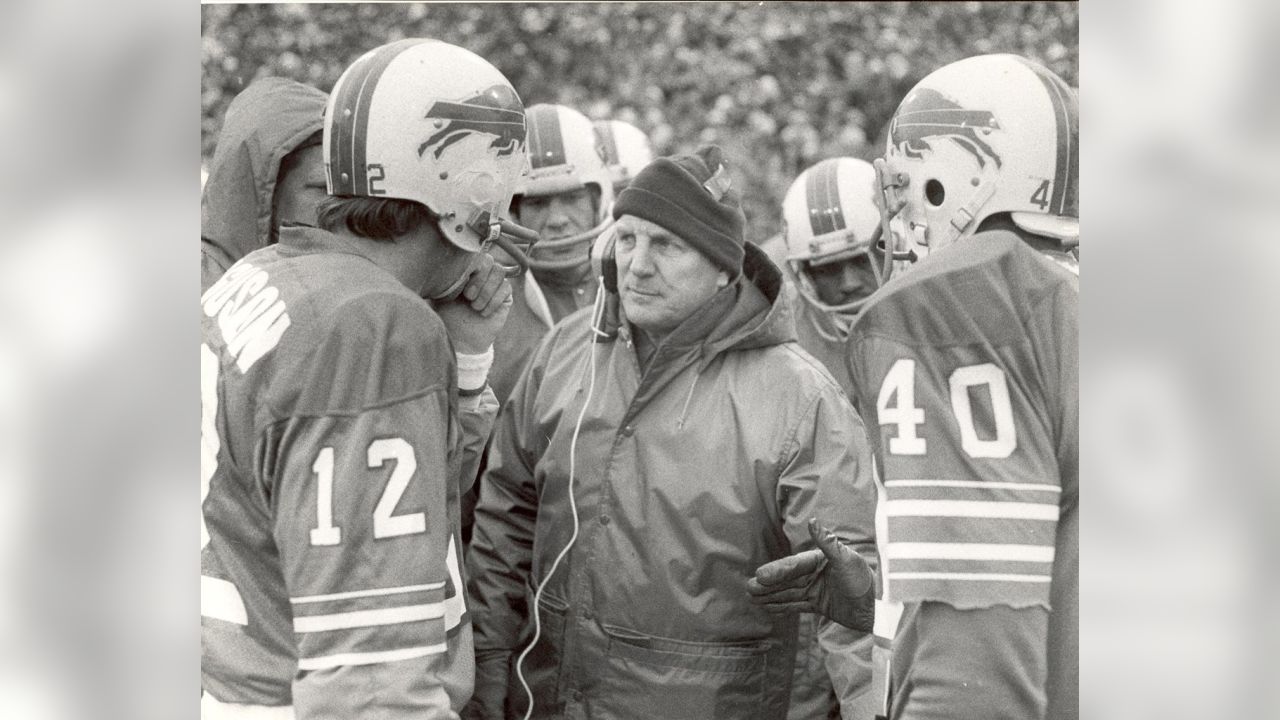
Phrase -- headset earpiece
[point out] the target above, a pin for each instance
(609, 265)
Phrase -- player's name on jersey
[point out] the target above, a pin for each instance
(251, 315)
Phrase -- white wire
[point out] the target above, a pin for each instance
(597, 310)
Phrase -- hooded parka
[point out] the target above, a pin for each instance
(268, 120)
(687, 475)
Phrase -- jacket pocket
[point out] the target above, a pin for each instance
(542, 665)
(674, 679)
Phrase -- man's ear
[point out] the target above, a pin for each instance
(722, 279)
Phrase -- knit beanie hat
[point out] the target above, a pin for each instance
(689, 195)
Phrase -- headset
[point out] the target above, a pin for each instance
(606, 302)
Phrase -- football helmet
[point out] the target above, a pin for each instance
(430, 122)
(984, 135)
(565, 154)
(830, 215)
(626, 151)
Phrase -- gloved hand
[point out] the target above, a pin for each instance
(489, 698)
(831, 580)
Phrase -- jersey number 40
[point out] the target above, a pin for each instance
(899, 388)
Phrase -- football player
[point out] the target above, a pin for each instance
(565, 198)
(830, 225)
(333, 398)
(965, 368)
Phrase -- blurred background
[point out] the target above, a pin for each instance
(1180, 188)
(779, 86)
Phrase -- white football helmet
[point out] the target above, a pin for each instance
(565, 154)
(427, 121)
(984, 135)
(626, 151)
(830, 215)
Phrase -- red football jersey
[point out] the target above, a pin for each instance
(329, 488)
(965, 370)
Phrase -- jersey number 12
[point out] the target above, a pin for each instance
(385, 524)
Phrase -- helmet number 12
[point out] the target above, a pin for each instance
(898, 388)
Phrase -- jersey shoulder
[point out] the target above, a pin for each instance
(982, 289)
(325, 333)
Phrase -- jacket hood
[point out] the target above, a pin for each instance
(264, 123)
(762, 315)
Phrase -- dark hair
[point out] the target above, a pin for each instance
(373, 218)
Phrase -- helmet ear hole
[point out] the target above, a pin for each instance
(935, 193)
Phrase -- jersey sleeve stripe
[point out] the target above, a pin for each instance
(366, 593)
(971, 508)
(455, 607)
(985, 577)
(219, 599)
(368, 618)
(970, 551)
(888, 615)
(369, 658)
(975, 484)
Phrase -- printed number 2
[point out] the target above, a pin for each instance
(381, 175)
(1041, 195)
(899, 385)
(384, 523)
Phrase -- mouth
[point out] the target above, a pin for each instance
(641, 293)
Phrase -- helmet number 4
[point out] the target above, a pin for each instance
(1041, 196)
(898, 388)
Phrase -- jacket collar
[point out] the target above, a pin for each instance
(752, 312)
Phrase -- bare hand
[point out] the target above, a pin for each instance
(474, 318)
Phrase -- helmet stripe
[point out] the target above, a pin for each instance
(546, 147)
(604, 130)
(340, 127)
(347, 148)
(1066, 118)
(822, 195)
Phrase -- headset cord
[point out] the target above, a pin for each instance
(596, 310)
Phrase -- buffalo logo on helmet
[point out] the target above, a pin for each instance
(927, 113)
(495, 111)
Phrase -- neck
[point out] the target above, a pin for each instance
(575, 275)
(696, 328)
(404, 257)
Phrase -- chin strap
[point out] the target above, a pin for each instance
(582, 238)
(963, 218)
(516, 240)
(889, 184)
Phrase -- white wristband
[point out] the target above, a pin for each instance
(473, 369)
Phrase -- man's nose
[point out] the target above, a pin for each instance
(558, 213)
(849, 278)
(641, 263)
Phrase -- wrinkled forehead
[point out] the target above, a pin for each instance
(638, 226)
